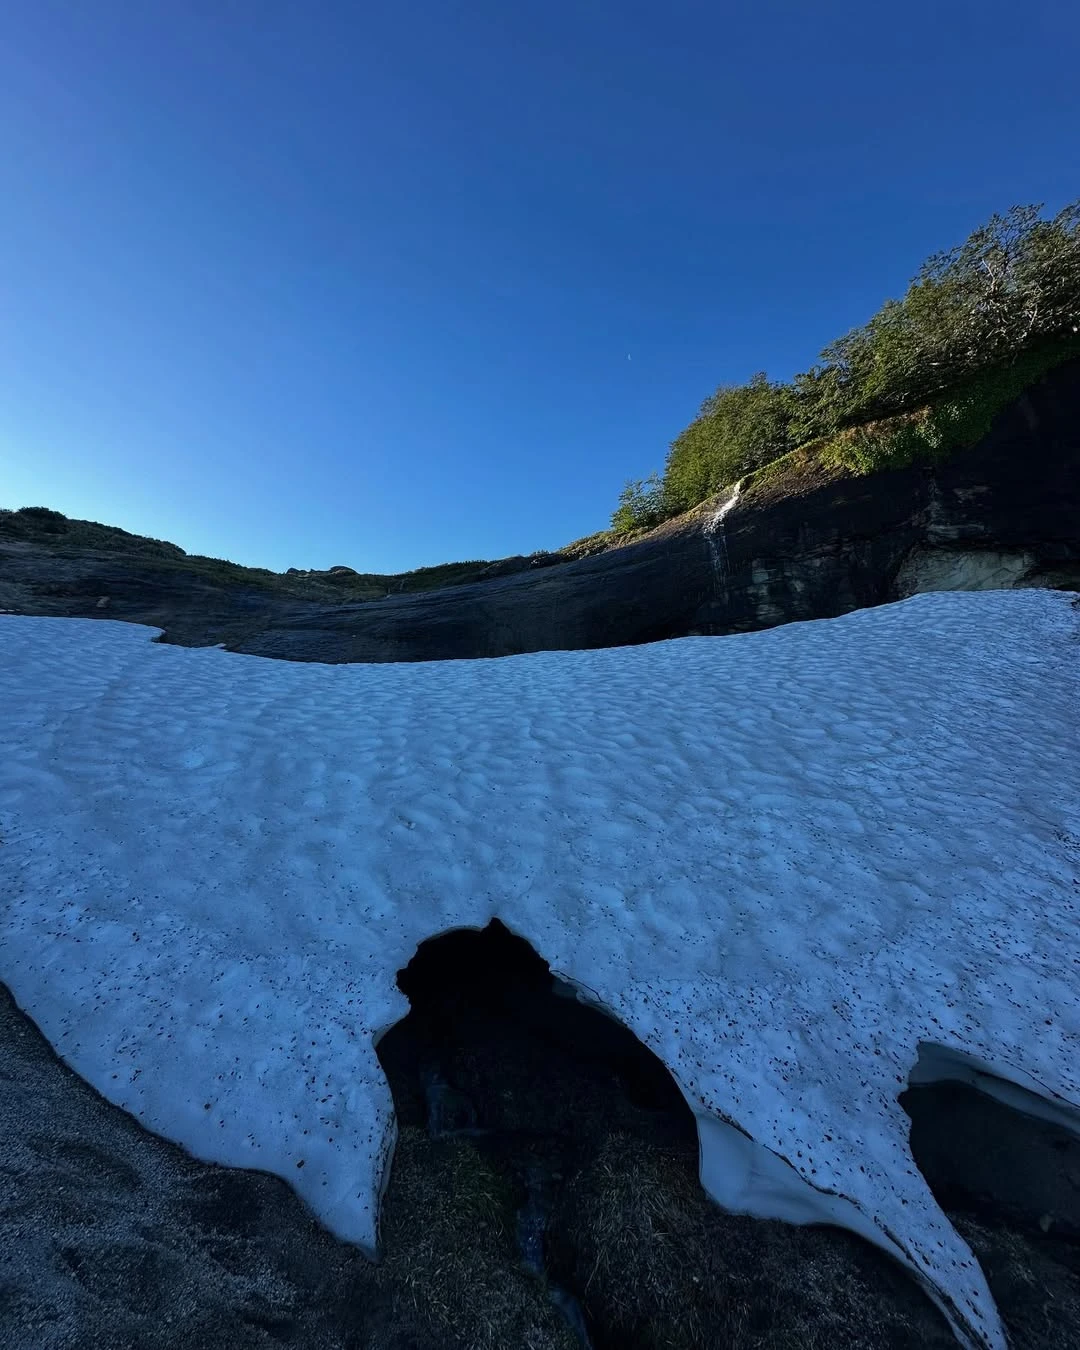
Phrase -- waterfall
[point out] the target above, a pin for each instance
(716, 538)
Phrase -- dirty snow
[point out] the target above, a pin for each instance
(785, 860)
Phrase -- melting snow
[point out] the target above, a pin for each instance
(785, 860)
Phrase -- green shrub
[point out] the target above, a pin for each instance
(42, 519)
(642, 504)
(954, 421)
(740, 428)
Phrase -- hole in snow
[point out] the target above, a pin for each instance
(488, 982)
(1008, 1177)
(542, 1147)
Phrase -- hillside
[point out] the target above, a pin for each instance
(808, 537)
(53, 565)
(63, 536)
(921, 380)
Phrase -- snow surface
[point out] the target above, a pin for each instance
(785, 860)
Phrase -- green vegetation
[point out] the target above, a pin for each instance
(642, 504)
(33, 522)
(739, 429)
(923, 378)
(952, 421)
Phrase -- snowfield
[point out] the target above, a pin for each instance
(786, 860)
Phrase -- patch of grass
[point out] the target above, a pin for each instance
(33, 523)
(441, 575)
(589, 544)
(797, 472)
(660, 1267)
(955, 421)
(451, 1255)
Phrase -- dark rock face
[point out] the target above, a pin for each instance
(193, 611)
(1006, 512)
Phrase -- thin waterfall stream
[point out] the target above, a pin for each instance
(715, 533)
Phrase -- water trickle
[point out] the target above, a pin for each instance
(716, 539)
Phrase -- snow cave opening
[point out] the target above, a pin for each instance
(488, 987)
(543, 1129)
(1003, 1162)
(497, 1056)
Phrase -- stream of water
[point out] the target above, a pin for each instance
(716, 539)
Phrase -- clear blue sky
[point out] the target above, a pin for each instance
(356, 281)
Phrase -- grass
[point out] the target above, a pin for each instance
(955, 421)
(34, 523)
(791, 475)
(590, 544)
(661, 1268)
(451, 1256)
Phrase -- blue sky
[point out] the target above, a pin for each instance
(391, 283)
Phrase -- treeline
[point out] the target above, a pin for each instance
(922, 376)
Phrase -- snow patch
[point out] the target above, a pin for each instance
(784, 860)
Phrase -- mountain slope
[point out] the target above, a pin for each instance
(805, 539)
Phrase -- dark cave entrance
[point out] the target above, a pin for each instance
(545, 1192)
(487, 988)
(500, 1066)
